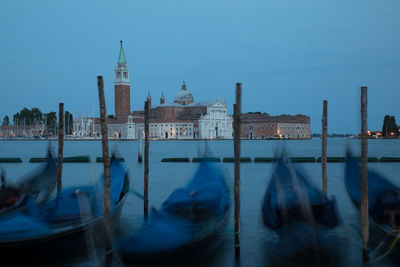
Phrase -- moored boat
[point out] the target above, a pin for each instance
(383, 207)
(189, 217)
(303, 221)
(39, 186)
(64, 222)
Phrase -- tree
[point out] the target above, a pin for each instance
(28, 117)
(69, 123)
(389, 126)
(51, 122)
(37, 115)
(6, 121)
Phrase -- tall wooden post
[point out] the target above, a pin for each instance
(146, 158)
(106, 162)
(364, 172)
(324, 146)
(236, 114)
(140, 149)
(60, 145)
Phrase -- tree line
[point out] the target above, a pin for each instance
(389, 126)
(34, 117)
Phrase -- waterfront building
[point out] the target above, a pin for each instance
(263, 126)
(216, 123)
(186, 119)
(117, 128)
(294, 127)
(83, 127)
(6, 131)
(164, 130)
(22, 130)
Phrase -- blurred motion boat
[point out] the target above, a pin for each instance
(38, 186)
(63, 223)
(189, 217)
(383, 206)
(303, 219)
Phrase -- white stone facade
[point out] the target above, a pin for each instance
(216, 123)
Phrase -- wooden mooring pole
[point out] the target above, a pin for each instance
(106, 162)
(140, 149)
(60, 146)
(146, 159)
(364, 173)
(236, 115)
(324, 146)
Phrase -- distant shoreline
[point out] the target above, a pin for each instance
(244, 139)
(271, 139)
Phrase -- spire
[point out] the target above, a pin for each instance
(184, 85)
(162, 98)
(121, 59)
(149, 99)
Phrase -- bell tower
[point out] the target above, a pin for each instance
(122, 87)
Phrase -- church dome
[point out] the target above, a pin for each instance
(183, 96)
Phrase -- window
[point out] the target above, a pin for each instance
(119, 75)
(125, 75)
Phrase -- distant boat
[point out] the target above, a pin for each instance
(61, 224)
(302, 218)
(39, 185)
(383, 206)
(188, 217)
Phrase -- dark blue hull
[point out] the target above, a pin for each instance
(382, 196)
(303, 220)
(189, 217)
(39, 186)
(71, 221)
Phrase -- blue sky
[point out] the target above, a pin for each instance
(289, 55)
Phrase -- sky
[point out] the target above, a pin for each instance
(289, 55)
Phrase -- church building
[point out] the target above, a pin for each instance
(186, 119)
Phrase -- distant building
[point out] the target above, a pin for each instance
(35, 130)
(264, 126)
(216, 123)
(206, 120)
(183, 96)
(118, 128)
(122, 87)
(173, 129)
(186, 119)
(83, 127)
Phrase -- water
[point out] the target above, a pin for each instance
(165, 177)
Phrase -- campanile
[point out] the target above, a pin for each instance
(122, 87)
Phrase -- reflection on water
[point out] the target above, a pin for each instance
(165, 177)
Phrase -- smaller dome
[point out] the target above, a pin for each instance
(183, 96)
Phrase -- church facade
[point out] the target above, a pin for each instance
(184, 118)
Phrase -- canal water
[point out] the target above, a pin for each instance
(165, 177)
